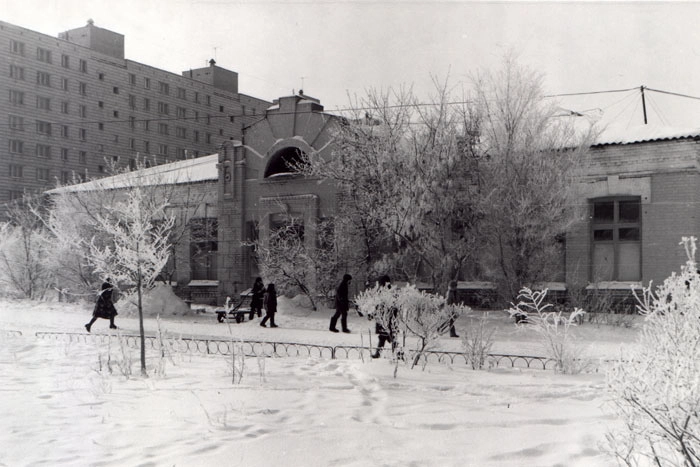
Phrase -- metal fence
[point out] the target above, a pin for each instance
(10, 333)
(290, 349)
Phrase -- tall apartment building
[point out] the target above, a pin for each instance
(75, 105)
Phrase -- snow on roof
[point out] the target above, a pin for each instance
(198, 169)
(619, 134)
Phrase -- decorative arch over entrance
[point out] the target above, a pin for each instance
(285, 161)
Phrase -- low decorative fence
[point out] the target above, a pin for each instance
(290, 349)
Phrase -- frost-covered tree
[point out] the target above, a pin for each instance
(137, 246)
(24, 244)
(655, 389)
(531, 156)
(405, 177)
(295, 265)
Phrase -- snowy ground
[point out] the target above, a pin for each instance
(59, 409)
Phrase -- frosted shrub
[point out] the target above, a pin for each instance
(476, 342)
(416, 313)
(656, 390)
(553, 328)
(379, 304)
(164, 349)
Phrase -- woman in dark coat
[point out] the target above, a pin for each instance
(342, 305)
(104, 307)
(270, 303)
(256, 302)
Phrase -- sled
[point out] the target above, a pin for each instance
(238, 312)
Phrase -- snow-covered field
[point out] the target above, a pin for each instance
(59, 409)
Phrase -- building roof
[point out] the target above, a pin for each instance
(619, 134)
(199, 169)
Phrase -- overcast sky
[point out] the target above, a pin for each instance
(337, 47)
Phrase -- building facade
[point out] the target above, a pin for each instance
(75, 105)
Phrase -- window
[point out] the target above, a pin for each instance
(43, 103)
(43, 55)
(43, 78)
(43, 128)
(16, 170)
(65, 61)
(16, 146)
(616, 239)
(132, 122)
(163, 128)
(208, 119)
(115, 90)
(203, 248)
(221, 108)
(115, 113)
(132, 102)
(208, 100)
(163, 149)
(196, 116)
(64, 107)
(17, 47)
(64, 131)
(101, 76)
(64, 84)
(196, 136)
(164, 88)
(100, 126)
(16, 97)
(83, 66)
(82, 157)
(132, 79)
(115, 139)
(146, 125)
(146, 104)
(100, 104)
(181, 132)
(180, 153)
(243, 110)
(181, 112)
(132, 143)
(83, 111)
(65, 177)
(17, 72)
(182, 93)
(82, 132)
(42, 150)
(147, 83)
(64, 154)
(42, 174)
(82, 89)
(163, 108)
(101, 169)
(208, 138)
(16, 123)
(196, 97)
(147, 147)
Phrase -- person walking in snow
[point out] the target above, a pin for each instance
(270, 304)
(385, 331)
(104, 307)
(342, 305)
(452, 300)
(258, 293)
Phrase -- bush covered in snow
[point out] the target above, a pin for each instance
(656, 390)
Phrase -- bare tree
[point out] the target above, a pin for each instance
(286, 259)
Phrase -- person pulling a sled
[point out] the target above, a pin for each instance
(104, 307)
